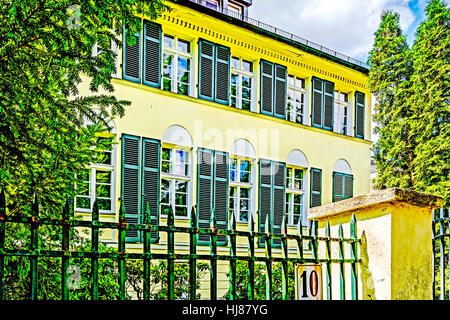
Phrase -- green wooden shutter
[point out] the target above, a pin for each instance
(316, 187)
(131, 156)
(279, 178)
(152, 54)
(267, 74)
(222, 75)
(265, 195)
(348, 186)
(337, 187)
(317, 97)
(359, 114)
(280, 89)
(205, 174)
(221, 176)
(206, 70)
(132, 59)
(151, 150)
(328, 105)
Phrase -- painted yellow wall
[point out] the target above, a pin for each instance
(216, 126)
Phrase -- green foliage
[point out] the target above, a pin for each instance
(412, 113)
(46, 54)
(242, 281)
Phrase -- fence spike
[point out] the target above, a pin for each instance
(251, 223)
(327, 229)
(299, 228)
(284, 225)
(212, 220)
(267, 225)
(193, 217)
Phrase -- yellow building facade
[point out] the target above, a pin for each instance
(228, 115)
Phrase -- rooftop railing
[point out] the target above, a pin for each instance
(285, 34)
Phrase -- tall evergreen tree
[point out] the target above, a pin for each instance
(46, 46)
(389, 80)
(430, 101)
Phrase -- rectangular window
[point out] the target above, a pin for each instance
(273, 89)
(272, 180)
(341, 107)
(142, 60)
(96, 181)
(235, 10)
(214, 72)
(240, 190)
(322, 103)
(294, 195)
(140, 182)
(177, 62)
(316, 188)
(295, 99)
(342, 186)
(212, 192)
(359, 114)
(175, 181)
(242, 82)
(213, 4)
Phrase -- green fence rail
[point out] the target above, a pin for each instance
(306, 252)
(441, 256)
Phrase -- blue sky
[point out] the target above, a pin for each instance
(346, 26)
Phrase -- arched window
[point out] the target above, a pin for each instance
(176, 172)
(342, 181)
(242, 180)
(296, 180)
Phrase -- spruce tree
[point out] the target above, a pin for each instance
(389, 81)
(430, 101)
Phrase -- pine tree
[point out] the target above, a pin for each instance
(389, 80)
(430, 101)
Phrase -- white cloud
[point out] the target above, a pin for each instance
(346, 26)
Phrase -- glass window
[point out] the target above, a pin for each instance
(242, 83)
(96, 182)
(175, 181)
(341, 112)
(213, 4)
(295, 99)
(240, 190)
(294, 194)
(177, 65)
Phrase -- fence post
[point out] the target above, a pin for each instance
(121, 250)
(147, 252)
(94, 251)
(34, 248)
(65, 233)
(328, 263)
(251, 261)
(354, 257)
(213, 262)
(268, 259)
(232, 237)
(284, 263)
(341, 263)
(2, 243)
(193, 256)
(171, 253)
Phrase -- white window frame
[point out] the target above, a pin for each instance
(241, 73)
(290, 189)
(341, 112)
(292, 115)
(177, 53)
(238, 185)
(93, 168)
(235, 9)
(172, 177)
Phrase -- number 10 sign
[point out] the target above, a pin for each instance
(308, 282)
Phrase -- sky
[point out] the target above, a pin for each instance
(345, 26)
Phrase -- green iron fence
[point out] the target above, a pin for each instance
(441, 256)
(306, 252)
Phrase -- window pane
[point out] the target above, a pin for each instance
(245, 193)
(169, 42)
(235, 63)
(83, 203)
(166, 163)
(243, 216)
(104, 204)
(184, 46)
(181, 186)
(181, 211)
(103, 176)
(247, 66)
(103, 190)
(291, 80)
(180, 199)
(246, 105)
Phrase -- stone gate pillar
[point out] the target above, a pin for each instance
(396, 251)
